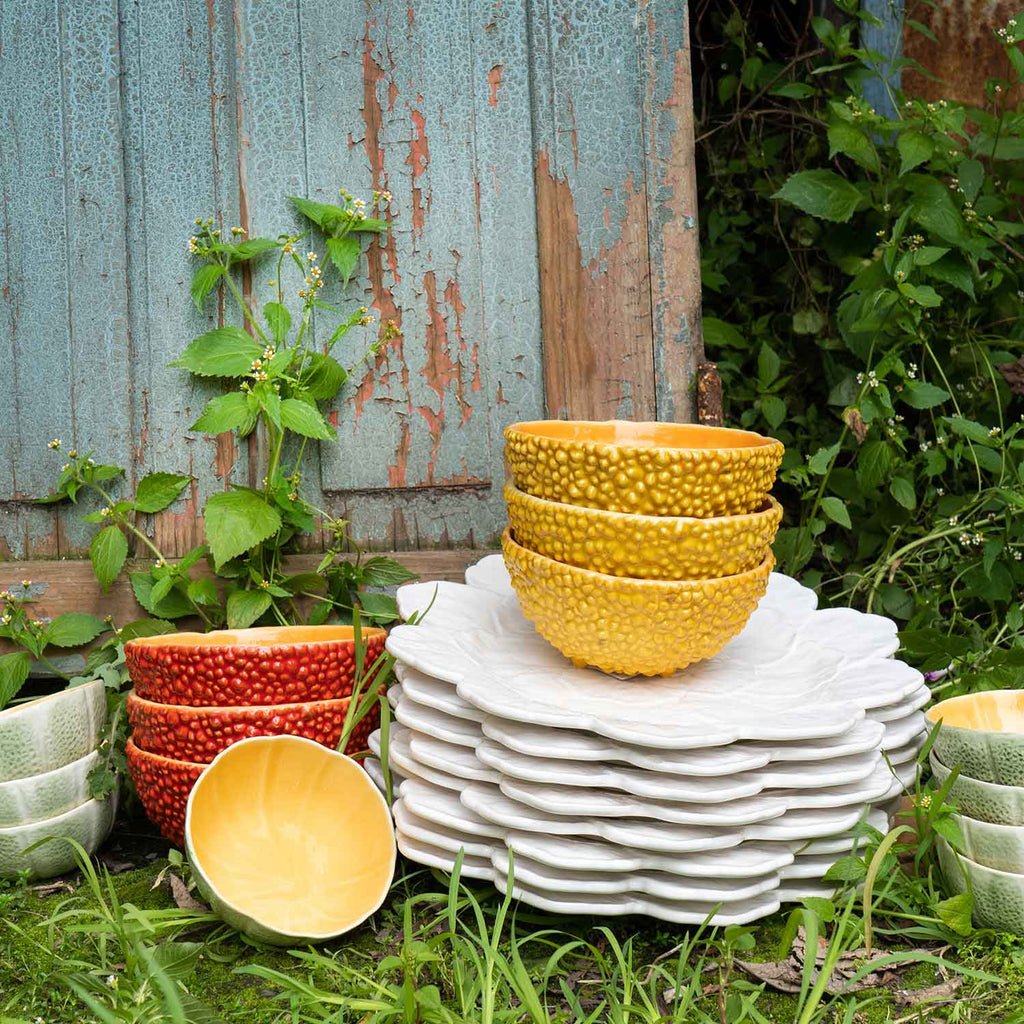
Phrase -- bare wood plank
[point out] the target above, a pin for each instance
(591, 212)
(671, 204)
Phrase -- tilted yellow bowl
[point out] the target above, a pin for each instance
(643, 547)
(631, 626)
(657, 469)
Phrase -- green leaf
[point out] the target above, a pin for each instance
(322, 376)
(914, 149)
(224, 352)
(245, 607)
(768, 364)
(923, 294)
(971, 176)
(344, 253)
(304, 419)
(324, 215)
(821, 194)
(226, 412)
(928, 254)
(203, 591)
(874, 460)
(846, 869)
(14, 669)
(903, 491)
(236, 521)
(385, 572)
(948, 827)
(835, 509)
(108, 552)
(177, 959)
(844, 137)
(792, 90)
(970, 429)
(808, 321)
(203, 281)
(279, 362)
(253, 247)
(162, 587)
(953, 270)
(822, 459)
(773, 409)
(145, 627)
(955, 913)
(919, 394)
(719, 334)
(158, 490)
(278, 319)
(173, 606)
(305, 583)
(379, 607)
(270, 402)
(933, 209)
(73, 629)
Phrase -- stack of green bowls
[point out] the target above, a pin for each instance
(982, 734)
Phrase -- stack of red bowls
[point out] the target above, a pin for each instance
(197, 693)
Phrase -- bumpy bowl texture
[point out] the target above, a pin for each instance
(38, 797)
(200, 734)
(657, 469)
(996, 846)
(642, 547)
(998, 895)
(88, 824)
(163, 784)
(51, 732)
(627, 626)
(268, 665)
(986, 801)
(289, 841)
(984, 734)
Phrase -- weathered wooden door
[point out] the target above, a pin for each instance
(542, 258)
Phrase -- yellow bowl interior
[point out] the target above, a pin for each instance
(993, 711)
(293, 835)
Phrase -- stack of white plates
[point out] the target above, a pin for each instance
(723, 790)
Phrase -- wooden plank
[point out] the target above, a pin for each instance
(592, 211)
(671, 178)
(70, 586)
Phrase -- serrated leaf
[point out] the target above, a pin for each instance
(928, 254)
(792, 90)
(226, 412)
(173, 606)
(324, 215)
(970, 429)
(821, 194)
(224, 352)
(279, 320)
(305, 583)
(14, 669)
(177, 959)
(820, 461)
(970, 176)
(253, 247)
(953, 270)
(919, 394)
(379, 607)
(773, 409)
(835, 509)
(385, 572)
(874, 460)
(146, 627)
(903, 491)
(108, 552)
(236, 521)
(304, 419)
(808, 321)
(846, 869)
(768, 364)
(923, 294)
(245, 607)
(72, 629)
(845, 138)
(322, 376)
(161, 588)
(344, 253)
(203, 281)
(203, 591)
(914, 148)
(158, 490)
(955, 913)
(948, 827)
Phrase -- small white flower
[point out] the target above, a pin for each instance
(994, 432)
(940, 491)
(954, 520)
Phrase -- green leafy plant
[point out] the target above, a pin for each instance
(277, 383)
(864, 298)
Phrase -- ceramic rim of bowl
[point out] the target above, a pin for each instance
(938, 712)
(226, 709)
(632, 581)
(9, 712)
(264, 637)
(769, 507)
(627, 434)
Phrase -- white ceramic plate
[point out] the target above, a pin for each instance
(438, 724)
(777, 681)
(901, 731)
(900, 709)
(435, 693)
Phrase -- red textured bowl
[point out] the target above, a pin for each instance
(200, 734)
(164, 783)
(267, 665)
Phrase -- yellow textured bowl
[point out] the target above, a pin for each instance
(629, 626)
(642, 547)
(657, 469)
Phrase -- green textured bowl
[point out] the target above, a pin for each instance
(998, 895)
(994, 846)
(984, 734)
(986, 801)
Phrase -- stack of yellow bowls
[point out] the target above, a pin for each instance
(639, 548)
